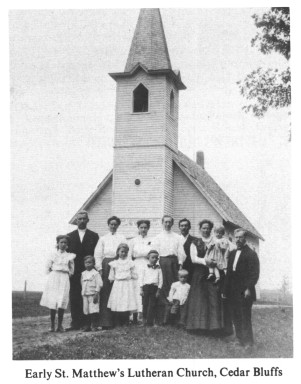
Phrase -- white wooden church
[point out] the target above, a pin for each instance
(150, 176)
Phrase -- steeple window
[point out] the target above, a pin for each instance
(140, 99)
(172, 104)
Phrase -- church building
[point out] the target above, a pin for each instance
(150, 176)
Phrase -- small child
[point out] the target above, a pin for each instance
(151, 282)
(122, 299)
(177, 298)
(60, 266)
(220, 254)
(91, 285)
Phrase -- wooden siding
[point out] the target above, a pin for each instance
(190, 203)
(168, 182)
(100, 210)
(144, 128)
(147, 165)
(171, 131)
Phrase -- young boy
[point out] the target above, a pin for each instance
(91, 286)
(177, 298)
(151, 282)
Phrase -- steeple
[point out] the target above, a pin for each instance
(149, 50)
(149, 46)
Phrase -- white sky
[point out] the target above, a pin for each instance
(62, 122)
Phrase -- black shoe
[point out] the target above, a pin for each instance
(72, 328)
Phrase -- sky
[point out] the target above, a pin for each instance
(62, 122)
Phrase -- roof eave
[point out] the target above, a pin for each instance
(93, 196)
(169, 72)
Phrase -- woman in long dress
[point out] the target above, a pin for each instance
(139, 248)
(204, 305)
(105, 252)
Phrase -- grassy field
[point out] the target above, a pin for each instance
(27, 306)
(273, 328)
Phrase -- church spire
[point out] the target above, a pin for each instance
(149, 46)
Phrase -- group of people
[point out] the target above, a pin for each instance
(202, 284)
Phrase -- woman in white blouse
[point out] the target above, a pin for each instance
(105, 252)
(139, 248)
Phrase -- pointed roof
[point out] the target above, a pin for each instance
(149, 46)
(205, 185)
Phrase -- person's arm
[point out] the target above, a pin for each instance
(112, 273)
(134, 274)
(71, 267)
(99, 254)
(49, 263)
(181, 253)
(253, 272)
(171, 293)
(186, 294)
(194, 255)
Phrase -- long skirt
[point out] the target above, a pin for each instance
(169, 266)
(123, 296)
(106, 315)
(56, 293)
(204, 305)
(140, 263)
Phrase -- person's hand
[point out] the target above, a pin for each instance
(247, 293)
(224, 297)
(157, 293)
(210, 263)
(141, 292)
(95, 298)
(180, 267)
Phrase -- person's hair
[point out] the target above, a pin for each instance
(183, 220)
(220, 229)
(82, 212)
(206, 221)
(152, 251)
(90, 257)
(183, 272)
(147, 222)
(60, 237)
(240, 230)
(121, 245)
(114, 218)
(170, 217)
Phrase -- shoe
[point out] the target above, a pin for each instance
(95, 329)
(86, 329)
(72, 328)
(249, 348)
(60, 329)
(52, 329)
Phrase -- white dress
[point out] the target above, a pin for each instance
(60, 266)
(123, 293)
(139, 248)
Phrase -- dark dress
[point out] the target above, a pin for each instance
(106, 315)
(205, 309)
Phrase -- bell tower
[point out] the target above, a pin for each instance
(146, 127)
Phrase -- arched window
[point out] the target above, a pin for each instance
(172, 104)
(140, 102)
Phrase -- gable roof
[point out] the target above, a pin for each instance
(204, 183)
(149, 46)
(214, 194)
(94, 195)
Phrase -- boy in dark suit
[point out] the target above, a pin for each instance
(82, 243)
(239, 288)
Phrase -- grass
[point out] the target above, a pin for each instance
(27, 306)
(273, 330)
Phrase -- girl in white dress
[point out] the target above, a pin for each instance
(122, 299)
(139, 249)
(60, 266)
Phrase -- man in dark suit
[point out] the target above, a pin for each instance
(239, 288)
(82, 243)
(185, 226)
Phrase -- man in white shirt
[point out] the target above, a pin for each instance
(241, 278)
(170, 248)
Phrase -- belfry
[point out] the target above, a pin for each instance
(150, 176)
